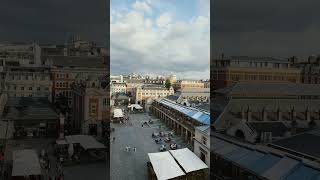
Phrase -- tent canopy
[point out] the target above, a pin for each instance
(25, 163)
(188, 160)
(87, 142)
(164, 166)
(117, 113)
(136, 106)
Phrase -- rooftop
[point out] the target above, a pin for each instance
(196, 114)
(35, 108)
(305, 143)
(264, 162)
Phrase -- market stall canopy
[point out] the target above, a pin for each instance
(164, 166)
(25, 163)
(87, 142)
(136, 106)
(117, 113)
(188, 160)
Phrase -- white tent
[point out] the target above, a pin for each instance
(188, 160)
(25, 163)
(136, 106)
(117, 113)
(164, 166)
(87, 142)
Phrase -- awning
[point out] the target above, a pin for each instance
(136, 106)
(188, 160)
(61, 142)
(164, 166)
(87, 142)
(25, 163)
(117, 113)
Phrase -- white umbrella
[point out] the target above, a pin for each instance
(70, 150)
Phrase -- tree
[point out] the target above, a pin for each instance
(168, 83)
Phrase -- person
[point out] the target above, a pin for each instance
(114, 138)
(129, 148)
(134, 149)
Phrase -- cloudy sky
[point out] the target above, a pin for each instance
(52, 21)
(266, 28)
(160, 37)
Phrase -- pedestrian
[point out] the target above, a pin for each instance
(129, 148)
(114, 138)
(134, 149)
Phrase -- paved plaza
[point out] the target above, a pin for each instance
(133, 165)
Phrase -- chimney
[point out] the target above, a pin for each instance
(293, 114)
(264, 114)
(307, 114)
(279, 114)
(249, 114)
(243, 115)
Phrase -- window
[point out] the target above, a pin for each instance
(204, 140)
(30, 88)
(22, 88)
(104, 103)
(47, 89)
(38, 88)
(57, 84)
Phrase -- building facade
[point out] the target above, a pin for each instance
(91, 106)
(201, 145)
(228, 70)
(182, 84)
(145, 92)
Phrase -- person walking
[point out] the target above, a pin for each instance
(134, 149)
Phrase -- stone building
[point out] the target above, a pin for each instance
(91, 106)
(226, 71)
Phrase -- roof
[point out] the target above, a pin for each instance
(260, 59)
(164, 166)
(267, 88)
(200, 116)
(188, 160)
(277, 128)
(306, 143)
(87, 142)
(78, 61)
(25, 163)
(264, 161)
(204, 129)
(117, 113)
(30, 108)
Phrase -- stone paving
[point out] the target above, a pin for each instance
(133, 165)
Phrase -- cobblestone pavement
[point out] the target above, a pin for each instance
(133, 165)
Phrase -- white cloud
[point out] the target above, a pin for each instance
(171, 46)
(142, 6)
(164, 19)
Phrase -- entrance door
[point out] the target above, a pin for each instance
(93, 129)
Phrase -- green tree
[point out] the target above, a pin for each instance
(168, 83)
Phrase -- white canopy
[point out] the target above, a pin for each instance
(165, 166)
(87, 142)
(25, 163)
(117, 113)
(136, 106)
(188, 160)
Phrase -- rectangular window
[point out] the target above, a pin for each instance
(204, 140)
(30, 88)
(22, 88)
(38, 88)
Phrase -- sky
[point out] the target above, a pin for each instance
(160, 37)
(266, 28)
(53, 21)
